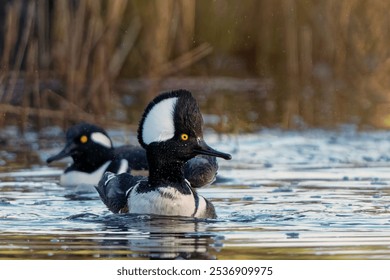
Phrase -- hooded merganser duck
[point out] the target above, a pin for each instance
(93, 154)
(171, 132)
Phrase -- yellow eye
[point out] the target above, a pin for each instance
(83, 139)
(184, 137)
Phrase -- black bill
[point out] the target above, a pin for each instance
(205, 149)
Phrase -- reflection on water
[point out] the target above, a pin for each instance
(285, 195)
(154, 237)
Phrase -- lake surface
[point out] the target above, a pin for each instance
(312, 194)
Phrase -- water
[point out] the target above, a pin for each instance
(285, 195)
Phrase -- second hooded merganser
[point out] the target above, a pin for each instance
(93, 154)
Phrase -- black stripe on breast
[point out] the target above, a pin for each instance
(114, 166)
(196, 199)
(210, 210)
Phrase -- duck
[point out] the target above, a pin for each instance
(93, 154)
(171, 132)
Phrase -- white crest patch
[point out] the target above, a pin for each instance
(158, 125)
(101, 139)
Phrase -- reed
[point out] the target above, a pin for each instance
(328, 60)
(77, 43)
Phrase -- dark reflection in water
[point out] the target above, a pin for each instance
(119, 237)
(153, 237)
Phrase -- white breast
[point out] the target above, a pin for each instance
(76, 178)
(163, 201)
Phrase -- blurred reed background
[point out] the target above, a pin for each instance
(251, 63)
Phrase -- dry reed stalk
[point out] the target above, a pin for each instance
(10, 37)
(305, 54)
(114, 18)
(75, 35)
(20, 52)
(306, 70)
(43, 33)
(264, 42)
(162, 33)
(186, 25)
(119, 57)
(183, 61)
(292, 66)
(157, 45)
(33, 77)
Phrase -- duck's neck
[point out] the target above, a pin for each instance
(92, 161)
(164, 169)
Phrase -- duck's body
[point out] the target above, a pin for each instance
(171, 133)
(140, 197)
(201, 170)
(74, 177)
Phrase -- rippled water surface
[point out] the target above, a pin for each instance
(285, 195)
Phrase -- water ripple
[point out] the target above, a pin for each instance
(285, 195)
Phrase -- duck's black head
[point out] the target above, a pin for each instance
(85, 143)
(171, 129)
